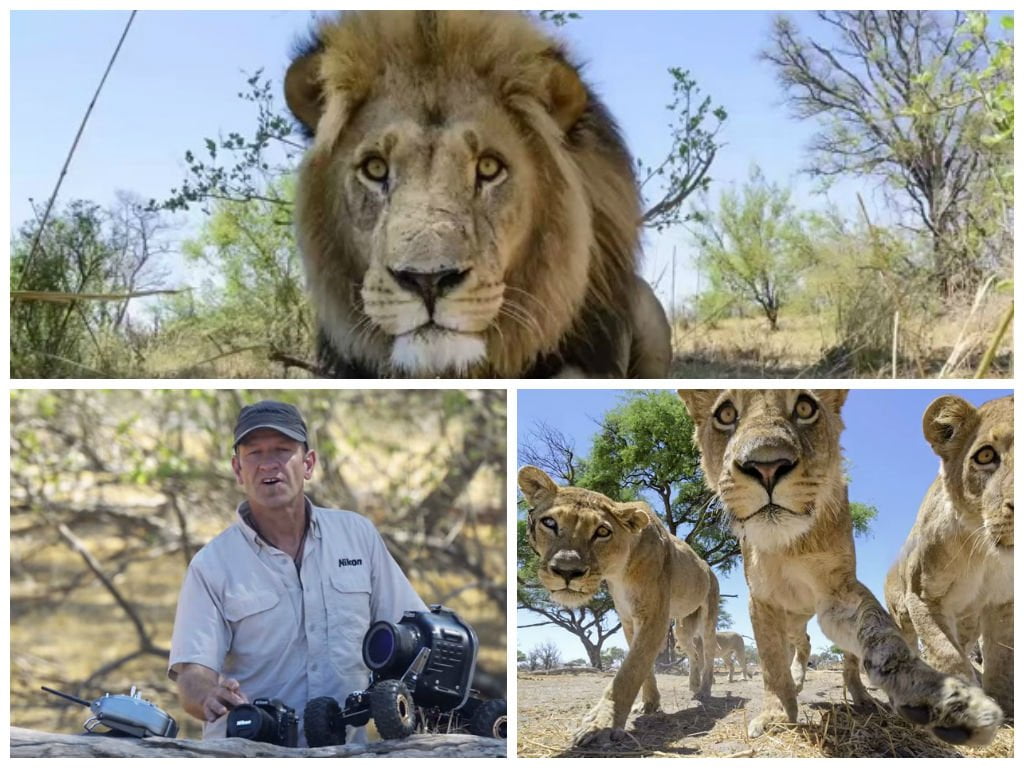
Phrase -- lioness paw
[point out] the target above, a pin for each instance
(758, 725)
(589, 736)
(956, 712)
(646, 707)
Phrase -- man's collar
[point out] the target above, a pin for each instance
(244, 513)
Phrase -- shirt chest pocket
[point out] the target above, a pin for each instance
(348, 602)
(255, 619)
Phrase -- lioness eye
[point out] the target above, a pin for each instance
(375, 169)
(549, 522)
(603, 532)
(805, 408)
(986, 455)
(726, 414)
(488, 168)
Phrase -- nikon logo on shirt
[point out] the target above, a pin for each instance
(346, 561)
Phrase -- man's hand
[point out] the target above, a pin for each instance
(207, 695)
(227, 695)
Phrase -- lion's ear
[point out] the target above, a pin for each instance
(833, 398)
(946, 422)
(634, 515)
(567, 96)
(536, 485)
(699, 402)
(303, 91)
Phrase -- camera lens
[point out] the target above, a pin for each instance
(250, 722)
(379, 646)
(390, 647)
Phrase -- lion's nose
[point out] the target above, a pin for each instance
(569, 572)
(429, 285)
(768, 473)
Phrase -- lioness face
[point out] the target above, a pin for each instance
(976, 448)
(772, 456)
(580, 536)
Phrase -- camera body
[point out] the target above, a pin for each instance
(421, 673)
(267, 720)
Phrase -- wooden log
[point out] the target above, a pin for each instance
(28, 743)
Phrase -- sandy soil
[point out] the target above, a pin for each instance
(551, 706)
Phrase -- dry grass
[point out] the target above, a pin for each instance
(806, 346)
(550, 709)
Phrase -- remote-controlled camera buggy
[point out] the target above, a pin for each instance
(421, 670)
(267, 720)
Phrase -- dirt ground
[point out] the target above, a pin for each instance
(551, 707)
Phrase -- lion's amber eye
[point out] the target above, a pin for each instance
(603, 532)
(726, 414)
(375, 169)
(805, 408)
(488, 168)
(549, 522)
(985, 456)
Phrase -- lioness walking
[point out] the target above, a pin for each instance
(584, 538)
(954, 580)
(774, 459)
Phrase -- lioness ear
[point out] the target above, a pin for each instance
(567, 96)
(536, 485)
(634, 515)
(698, 402)
(833, 398)
(946, 421)
(303, 92)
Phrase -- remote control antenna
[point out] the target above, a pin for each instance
(67, 696)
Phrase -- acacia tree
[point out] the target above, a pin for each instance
(890, 98)
(754, 246)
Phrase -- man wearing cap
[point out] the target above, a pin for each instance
(277, 605)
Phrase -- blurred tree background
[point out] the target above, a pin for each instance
(113, 492)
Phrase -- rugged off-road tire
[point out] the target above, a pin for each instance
(490, 719)
(392, 709)
(320, 722)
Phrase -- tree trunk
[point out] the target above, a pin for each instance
(27, 743)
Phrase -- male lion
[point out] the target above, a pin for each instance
(954, 579)
(583, 538)
(774, 459)
(467, 206)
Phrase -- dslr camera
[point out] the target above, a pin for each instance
(266, 720)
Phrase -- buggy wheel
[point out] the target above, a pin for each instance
(321, 722)
(392, 709)
(490, 719)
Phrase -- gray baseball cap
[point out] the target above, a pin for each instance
(271, 414)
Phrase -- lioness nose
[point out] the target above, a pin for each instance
(569, 572)
(768, 473)
(429, 285)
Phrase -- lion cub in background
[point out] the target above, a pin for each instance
(583, 538)
(954, 579)
(774, 459)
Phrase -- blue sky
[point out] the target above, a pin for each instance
(890, 465)
(177, 76)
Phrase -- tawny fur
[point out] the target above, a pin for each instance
(953, 583)
(547, 252)
(651, 575)
(796, 538)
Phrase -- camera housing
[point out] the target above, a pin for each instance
(267, 720)
(421, 672)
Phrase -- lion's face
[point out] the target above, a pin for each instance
(976, 448)
(772, 456)
(581, 537)
(438, 214)
(443, 225)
